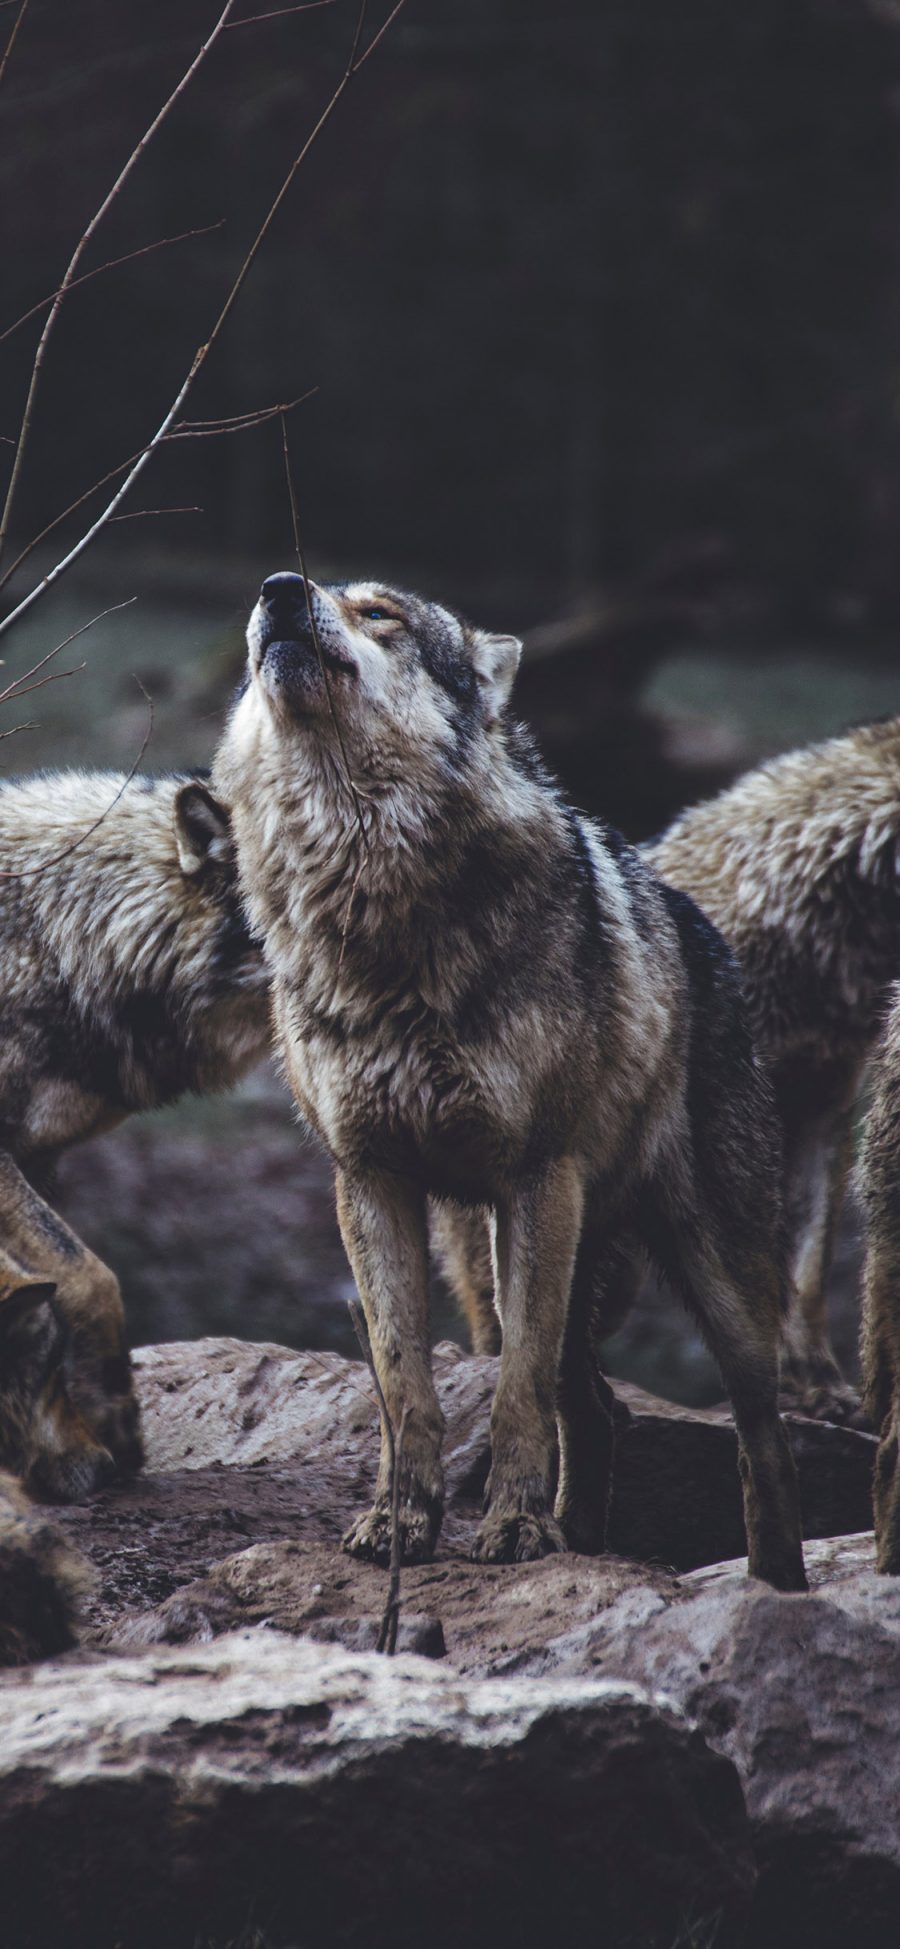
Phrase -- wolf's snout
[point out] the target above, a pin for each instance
(284, 595)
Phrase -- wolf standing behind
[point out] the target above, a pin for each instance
(879, 1181)
(128, 977)
(798, 864)
(492, 1001)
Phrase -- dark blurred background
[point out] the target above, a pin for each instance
(602, 303)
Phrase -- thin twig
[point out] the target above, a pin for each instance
(80, 249)
(378, 37)
(111, 264)
(55, 677)
(14, 689)
(143, 514)
(239, 422)
(14, 729)
(27, 872)
(12, 39)
(196, 429)
(203, 351)
(298, 544)
(387, 1636)
(278, 13)
(72, 508)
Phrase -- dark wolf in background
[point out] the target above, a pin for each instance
(43, 1581)
(493, 1002)
(879, 1182)
(798, 865)
(128, 977)
(43, 1436)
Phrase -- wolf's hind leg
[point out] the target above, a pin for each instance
(739, 1309)
(817, 1164)
(603, 1282)
(88, 1296)
(382, 1221)
(880, 1324)
(461, 1238)
(537, 1230)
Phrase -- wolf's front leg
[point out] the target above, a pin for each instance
(535, 1243)
(382, 1221)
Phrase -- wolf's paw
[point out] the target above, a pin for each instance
(822, 1398)
(520, 1538)
(370, 1536)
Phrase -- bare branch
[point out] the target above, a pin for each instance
(279, 13)
(58, 519)
(196, 429)
(28, 872)
(14, 729)
(298, 544)
(378, 37)
(20, 16)
(14, 689)
(112, 264)
(239, 422)
(203, 351)
(387, 1636)
(143, 514)
(80, 249)
(55, 677)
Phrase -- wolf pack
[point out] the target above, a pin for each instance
(534, 1052)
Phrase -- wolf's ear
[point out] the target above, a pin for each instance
(496, 660)
(18, 1288)
(202, 828)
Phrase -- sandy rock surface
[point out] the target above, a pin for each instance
(803, 1693)
(676, 1495)
(355, 1800)
(227, 1725)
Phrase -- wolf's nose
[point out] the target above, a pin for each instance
(279, 591)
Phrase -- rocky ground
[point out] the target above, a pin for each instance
(642, 1750)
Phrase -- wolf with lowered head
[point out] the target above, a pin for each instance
(490, 1001)
(128, 978)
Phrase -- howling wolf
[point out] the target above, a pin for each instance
(483, 998)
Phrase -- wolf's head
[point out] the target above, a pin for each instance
(43, 1436)
(399, 676)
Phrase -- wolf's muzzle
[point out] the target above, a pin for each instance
(285, 606)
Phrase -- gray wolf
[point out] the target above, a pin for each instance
(128, 977)
(879, 1181)
(797, 864)
(484, 999)
(42, 1581)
